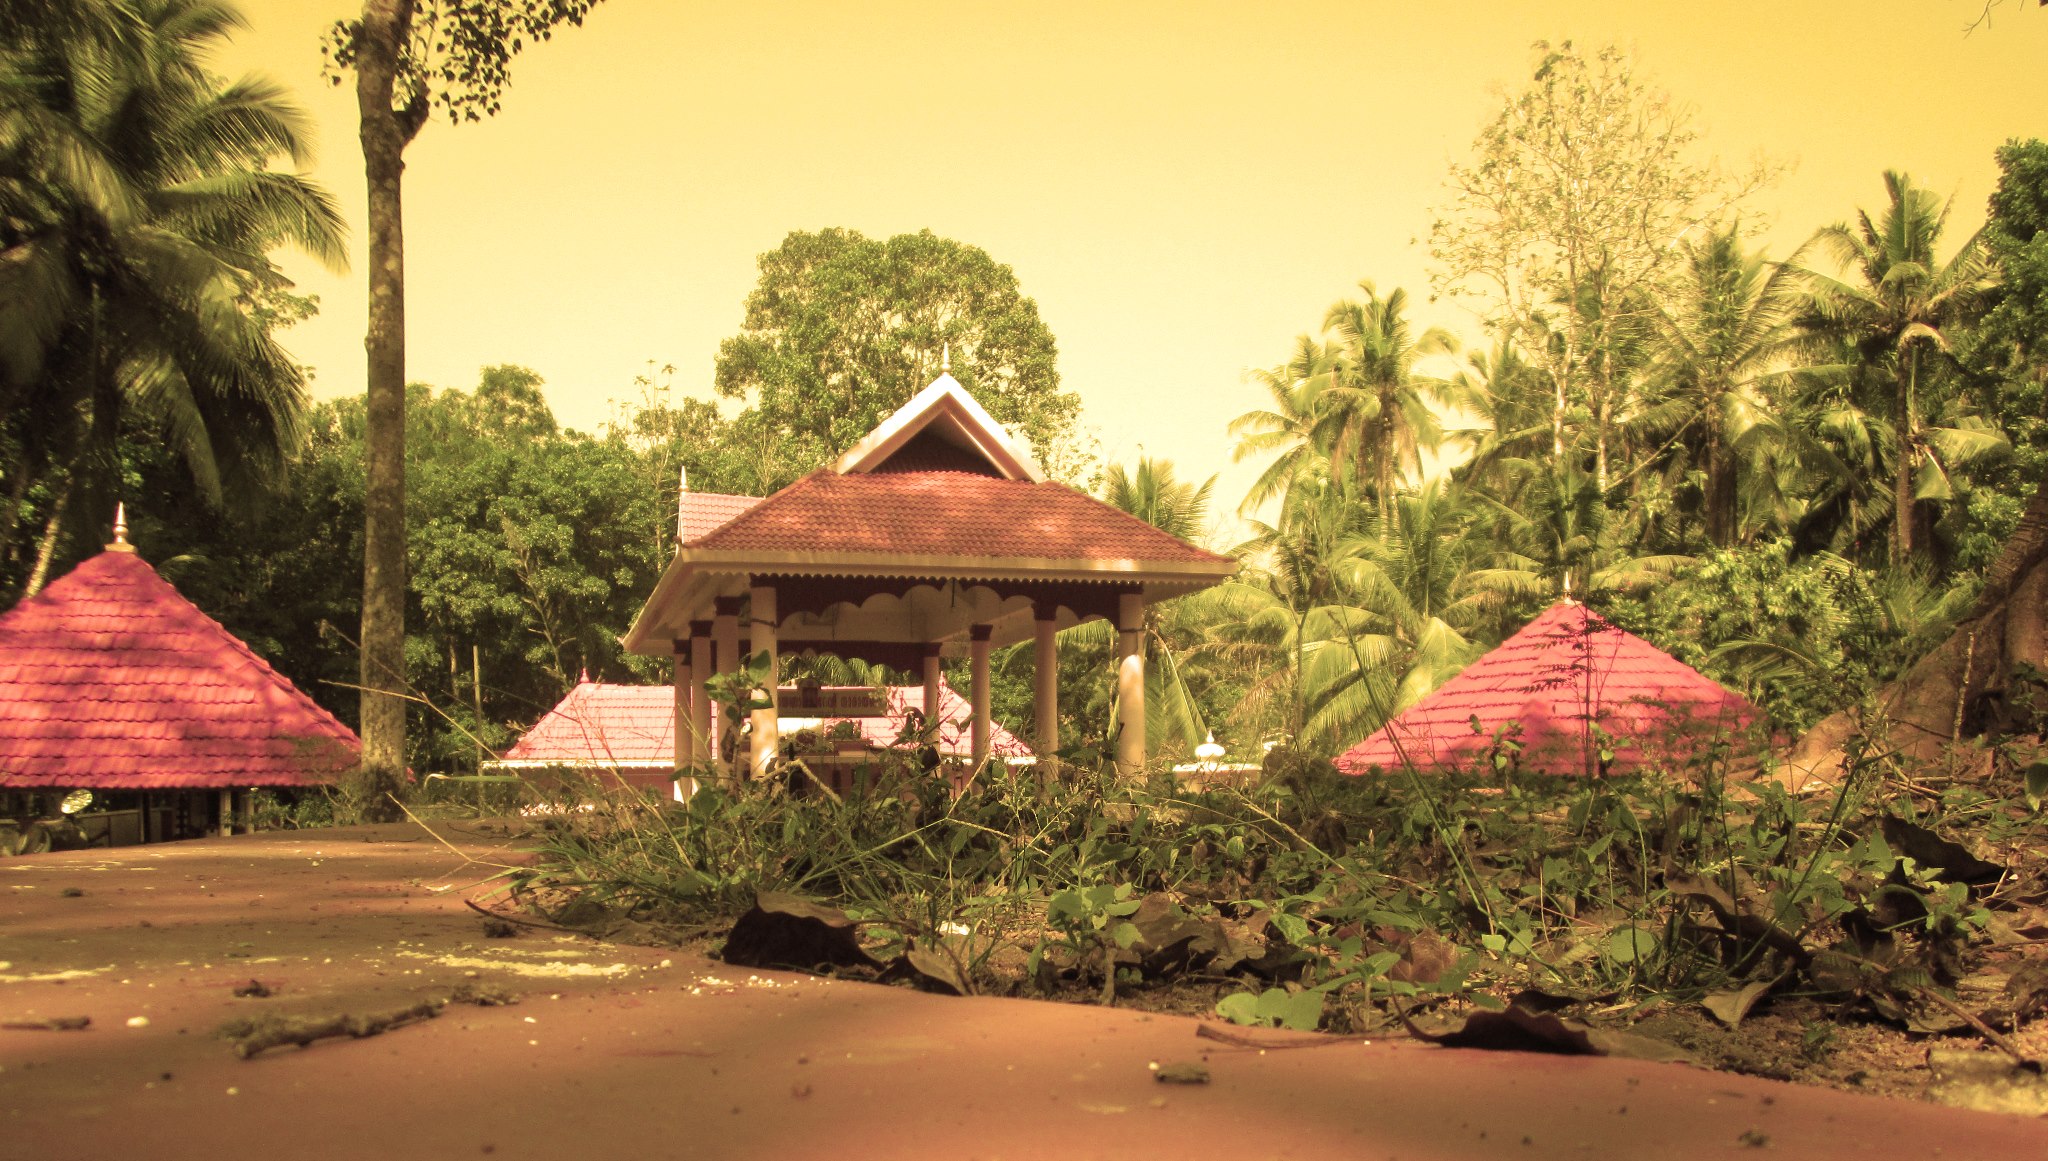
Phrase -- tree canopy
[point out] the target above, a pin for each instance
(843, 329)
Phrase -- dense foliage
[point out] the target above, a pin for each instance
(1789, 471)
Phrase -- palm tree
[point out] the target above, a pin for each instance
(1897, 312)
(1172, 631)
(1292, 425)
(1561, 540)
(1723, 340)
(139, 211)
(1511, 398)
(1152, 494)
(1378, 413)
(1420, 609)
(1293, 598)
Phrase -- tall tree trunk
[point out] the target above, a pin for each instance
(1902, 478)
(1720, 490)
(17, 499)
(48, 548)
(1961, 687)
(385, 131)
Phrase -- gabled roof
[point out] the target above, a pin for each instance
(600, 725)
(942, 516)
(110, 679)
(946, 414)
(1565, 669)
(700, 512)
(938, 494)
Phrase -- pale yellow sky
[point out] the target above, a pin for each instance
(1182, 186)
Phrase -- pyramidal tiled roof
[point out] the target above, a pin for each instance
(110, 679)
(1566, 668)
(627, 725)
(935, 515)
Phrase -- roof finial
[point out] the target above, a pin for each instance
(946, 359)
(120, 543)
(583, 676)
(1567, 584)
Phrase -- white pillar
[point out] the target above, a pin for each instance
(1046, 684)
(977, 654)
(931, 687)
(1130, 682)
(725, 634)
(762, 619)
(685, 703)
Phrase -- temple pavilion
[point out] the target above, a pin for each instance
(112, 682)
(937, 536)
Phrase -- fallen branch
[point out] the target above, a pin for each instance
(536, 924)
(265, 1032)
(1990, 1034)
(53, 1024)
(1305, 1040)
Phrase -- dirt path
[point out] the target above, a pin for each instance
(631, 1052)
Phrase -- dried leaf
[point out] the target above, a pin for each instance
(791, 932)
(1730, 1007)
(1425, 955)
(1516, 1030)
(1949, 861)
(930, 970)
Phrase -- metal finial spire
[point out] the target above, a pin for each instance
(120, 543)
(946, 358)
(682, 491)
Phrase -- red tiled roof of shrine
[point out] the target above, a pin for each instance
(597, 724)
(1564, 669)
(703, 511)
(933, 515)
(110, 679)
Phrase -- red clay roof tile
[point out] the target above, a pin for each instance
(702, 512)
(110, 679)
(1565, 668)
(935, 515)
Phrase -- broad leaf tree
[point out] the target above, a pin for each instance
(409, 58)
(1563, 222)
(842, 329)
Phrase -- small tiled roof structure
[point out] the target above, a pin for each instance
(598, 725)
(111, 680)
(1543, 688)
